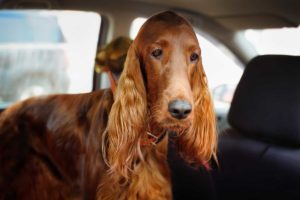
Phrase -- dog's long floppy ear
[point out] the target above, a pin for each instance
(127, 118)
(198, 145)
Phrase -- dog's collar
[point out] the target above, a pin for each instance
(151, 139)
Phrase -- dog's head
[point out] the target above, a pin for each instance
(171, 58)
(163, 88)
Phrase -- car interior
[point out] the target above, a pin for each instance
(251, 55)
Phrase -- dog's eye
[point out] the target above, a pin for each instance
(194, 57)
(157, 53)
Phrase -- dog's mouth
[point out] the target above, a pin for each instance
(175, 127)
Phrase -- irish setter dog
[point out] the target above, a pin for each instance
(102, 145)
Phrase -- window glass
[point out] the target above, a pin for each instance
(222, 69)
(135, 26)
(275, 41)
(46, 52)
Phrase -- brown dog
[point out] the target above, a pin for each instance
(104, 146)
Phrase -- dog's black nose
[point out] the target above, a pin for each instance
(179, 109)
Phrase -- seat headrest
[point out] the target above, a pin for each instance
(266, 103)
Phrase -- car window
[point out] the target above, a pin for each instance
(283, 41)
(46, 52)
(221, 67)
(135, 26)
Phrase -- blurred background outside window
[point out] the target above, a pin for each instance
(46, 52)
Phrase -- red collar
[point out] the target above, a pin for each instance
(151, 139)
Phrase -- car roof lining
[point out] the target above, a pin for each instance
(232, 14)
(242, 14)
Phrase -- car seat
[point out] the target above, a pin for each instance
(259, 156)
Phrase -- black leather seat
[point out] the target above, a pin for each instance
(259, 157)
